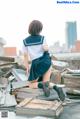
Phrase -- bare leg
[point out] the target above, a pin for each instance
(55, 76)
(33, 84)
(46, 76)
(42, 85)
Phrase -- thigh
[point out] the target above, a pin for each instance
(46, 76)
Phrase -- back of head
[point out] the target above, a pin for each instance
(35, 27)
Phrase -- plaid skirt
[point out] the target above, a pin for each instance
(39, 66)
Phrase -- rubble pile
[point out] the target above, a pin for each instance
(7, 64)
(14, 89)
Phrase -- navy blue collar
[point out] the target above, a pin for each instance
(33, 40)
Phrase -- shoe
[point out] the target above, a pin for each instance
(59, 92)
(46, 89)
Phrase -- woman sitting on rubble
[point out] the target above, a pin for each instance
(36, 48)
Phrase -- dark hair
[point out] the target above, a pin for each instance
(35, 27)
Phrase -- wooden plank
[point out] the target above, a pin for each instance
(71, 81)
(71, 76)
(38, 101)
(23, 93)
(28, 90)
(38, 112)
(9, 59)
(24, 102)
(38, 107)
(8, 63)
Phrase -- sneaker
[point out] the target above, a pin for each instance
(46, 89)
(60, 92)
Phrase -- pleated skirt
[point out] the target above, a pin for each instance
(39, 66)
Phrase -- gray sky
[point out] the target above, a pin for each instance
(15, 16)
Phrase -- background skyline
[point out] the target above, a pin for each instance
(15, 16)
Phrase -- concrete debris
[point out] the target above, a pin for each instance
(7, 100)
(7, 59)
(14, 89)
(60, 65)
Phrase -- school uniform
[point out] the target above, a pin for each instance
(41, 60)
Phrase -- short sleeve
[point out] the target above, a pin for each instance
(44, 41)
(45, 44)
(24, 49)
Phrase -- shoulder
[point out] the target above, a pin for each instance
(26, 40)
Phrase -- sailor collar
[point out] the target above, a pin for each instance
(33, 40)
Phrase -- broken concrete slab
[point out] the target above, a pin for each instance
(20, 74)
(59, 65)
(17, 79)
(7, 100)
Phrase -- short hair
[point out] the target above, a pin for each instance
(35, 27)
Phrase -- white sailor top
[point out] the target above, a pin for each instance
(33, 45)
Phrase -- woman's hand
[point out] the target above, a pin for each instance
(45, 47)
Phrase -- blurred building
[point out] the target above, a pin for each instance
(55, 48)
(64, 48)
(71, 33)
(10, 51)
(76, 48)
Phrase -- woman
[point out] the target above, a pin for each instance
(36, 47)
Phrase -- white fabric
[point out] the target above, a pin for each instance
(35, 51)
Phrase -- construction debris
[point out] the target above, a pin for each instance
(7, 59)
(73, 94)
(71, 78)
(7, 100)
(15, 91)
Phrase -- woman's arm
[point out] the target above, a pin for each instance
(26, 62)
(45, 45)
(25, 56)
